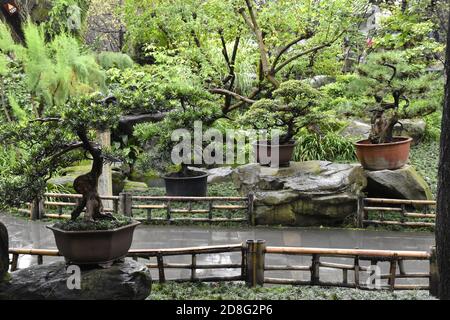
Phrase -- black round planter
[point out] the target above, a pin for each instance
(195, 186)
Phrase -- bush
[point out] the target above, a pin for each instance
(330, 147)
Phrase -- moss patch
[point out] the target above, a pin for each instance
(80, 225)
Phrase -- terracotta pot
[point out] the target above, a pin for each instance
(285, 152)
(383, 156)
(195, 186)
(94, 247)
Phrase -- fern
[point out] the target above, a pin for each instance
(55, 70)
(117, 60)
(18, 112)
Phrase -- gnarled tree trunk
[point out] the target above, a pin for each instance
(443, 197)
(87, 184)
(4, 255)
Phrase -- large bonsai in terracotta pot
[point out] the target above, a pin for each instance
(57, 129)
(293, 106)
(399, 87)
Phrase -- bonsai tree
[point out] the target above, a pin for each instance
(189, 103)
(292, 107)
(401, 88)
(64, 81)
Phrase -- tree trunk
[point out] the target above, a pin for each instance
(4, 255)
(443, 197)
(87, 184)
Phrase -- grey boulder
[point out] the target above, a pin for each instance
(128, 280)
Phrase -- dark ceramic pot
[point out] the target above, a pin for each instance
(285, 152)
(192, 186)
(94, 247)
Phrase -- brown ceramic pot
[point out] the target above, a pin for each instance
(285, 152)
(383, 156)
(94, 247)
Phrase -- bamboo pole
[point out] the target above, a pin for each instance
(419, 255)
(400, 201)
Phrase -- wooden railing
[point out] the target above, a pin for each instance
(254, 270)
(402, 212)
(127, 204)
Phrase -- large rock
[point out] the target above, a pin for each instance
(123, 281)
(304, 194)
(356, 129)
(404, 183)
(4, 255)
(216, 175)
(414, 128)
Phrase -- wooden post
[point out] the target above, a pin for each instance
(250, 212)
(14, 262)
(194, 264)
(356, 275)
(105, 182)
(169, 212)
(392, 272)
(434, 273)
(125, 204)
(255, 262)
(360, 213)
(315, 269)
(37, 209)
(162, 276)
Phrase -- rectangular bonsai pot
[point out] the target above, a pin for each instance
(96, 246)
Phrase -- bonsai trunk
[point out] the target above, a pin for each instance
(382, 130)
(87, 185)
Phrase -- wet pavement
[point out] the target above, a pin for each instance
(29, 234)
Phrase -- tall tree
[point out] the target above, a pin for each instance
(443, 198)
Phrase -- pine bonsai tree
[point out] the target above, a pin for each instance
(401, 88)
(292, 108)
(64, 81)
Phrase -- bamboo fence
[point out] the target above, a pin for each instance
(253, 268)
(400, 212)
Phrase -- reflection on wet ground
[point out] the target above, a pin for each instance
(28, 234)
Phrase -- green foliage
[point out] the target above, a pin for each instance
(409, 31)
(108, 60)
(294, 106)
(59, 69)
(65, 16)
(81, 225)
(239, 291)
(422, 90)
(330, 147)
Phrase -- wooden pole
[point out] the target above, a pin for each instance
(37, 209)
(255, 262)
(315, 269)
(125, 204)
(105, 182)
(251, 214)
(434, 273)
(360, 213)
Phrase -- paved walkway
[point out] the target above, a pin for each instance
(34, 235)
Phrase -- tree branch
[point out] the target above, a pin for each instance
(233, 94)
(305, 36)
(301, 54)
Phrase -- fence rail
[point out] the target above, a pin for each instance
(253, 268)
(127, 204)
(400, 212)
